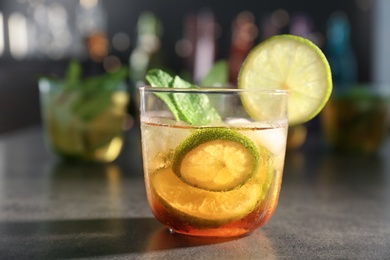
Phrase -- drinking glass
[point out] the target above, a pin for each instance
(83, 125)
(220, 177)
(356, 119)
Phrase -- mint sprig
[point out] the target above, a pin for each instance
(217, 75)
(193, 109)
(94, 93)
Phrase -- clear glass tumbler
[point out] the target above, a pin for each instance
(82, 125)
(213, 158)
(356, 120)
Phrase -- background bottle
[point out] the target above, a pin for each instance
(339, 52)
(244, 32)
(146, 55)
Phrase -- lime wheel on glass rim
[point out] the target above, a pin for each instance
(290, 63)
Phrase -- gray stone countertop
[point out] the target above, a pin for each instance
(331, 206)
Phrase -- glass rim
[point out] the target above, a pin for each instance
(48, 85)
(213, 90)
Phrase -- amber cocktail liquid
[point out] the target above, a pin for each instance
(218, 175)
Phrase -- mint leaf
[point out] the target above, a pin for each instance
(72, 76)
(89, 96)
(95, 93)
(159, 78)
(193, 109)
(218, 75)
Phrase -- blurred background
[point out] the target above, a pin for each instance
(40, 37)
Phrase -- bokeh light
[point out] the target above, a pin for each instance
(280, 18)
(183, 48)
(1, 34)
(112, 63)
(121, 41)
(17, 27)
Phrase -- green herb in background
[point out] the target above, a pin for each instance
(72, 75)
(94, 92)
(218, 75)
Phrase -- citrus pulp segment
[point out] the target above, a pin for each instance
(216, 159)
(291, 63)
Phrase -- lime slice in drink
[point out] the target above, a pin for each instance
(291, 63)
(216, 159)
(203, 208)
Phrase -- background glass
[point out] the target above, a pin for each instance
(356, 119)
(87, 130)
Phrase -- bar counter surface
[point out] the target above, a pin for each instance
(331, 206)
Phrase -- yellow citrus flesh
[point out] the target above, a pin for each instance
(291, 63)
(216, 159)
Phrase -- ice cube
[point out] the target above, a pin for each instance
(272, 137)
(237, 121)
(161, 136)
